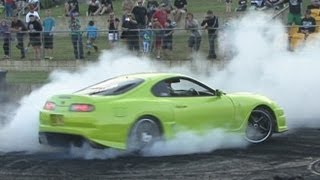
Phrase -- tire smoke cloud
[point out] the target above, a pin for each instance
(260, 64)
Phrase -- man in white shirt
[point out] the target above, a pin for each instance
(32, 12)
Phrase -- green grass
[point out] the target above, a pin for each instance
(15, 77)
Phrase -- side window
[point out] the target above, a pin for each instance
(186, 87)
(181, 87)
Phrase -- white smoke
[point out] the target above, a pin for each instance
(260, 64)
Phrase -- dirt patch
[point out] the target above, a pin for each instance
(292, 155)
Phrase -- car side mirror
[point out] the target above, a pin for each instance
(219, 92)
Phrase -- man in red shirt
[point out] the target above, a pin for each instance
(159, 20)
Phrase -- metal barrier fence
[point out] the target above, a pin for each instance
(67, 46)
(70, 47)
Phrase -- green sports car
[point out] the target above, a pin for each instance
(134, 111)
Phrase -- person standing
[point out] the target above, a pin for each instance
(140, 14)
(130, 27)
(35, 29)
(194, 40)
(49, 24)
(113, 27)
(159, 20)
(294, 15)
(76, 36)
(92, 34)
(6, 36)
(9, 7)
(211, 23)
(20, 28)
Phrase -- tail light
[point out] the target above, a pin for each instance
(81, 108)
(49, 106)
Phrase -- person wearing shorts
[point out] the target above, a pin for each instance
(48, 28)
(35, 29)
(195, 36)
(113, 26)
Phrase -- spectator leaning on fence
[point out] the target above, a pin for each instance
(192, 25)
(113, 27)
(168, 37)
(211, 23)
(71, 7)
(49, 24)
(92, 34)
(76, 36)
(20, 28)
(6, 36)
(35, 29)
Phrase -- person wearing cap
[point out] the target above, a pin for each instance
(32, 12)
(35, 29)
(20, 28)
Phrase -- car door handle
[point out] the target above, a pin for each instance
(181, 106)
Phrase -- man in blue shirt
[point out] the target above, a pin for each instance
(48, 28)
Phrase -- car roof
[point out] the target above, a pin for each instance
(150, 76)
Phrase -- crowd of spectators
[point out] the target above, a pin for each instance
(146, 26)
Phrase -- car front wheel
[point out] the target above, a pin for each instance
(260, 126)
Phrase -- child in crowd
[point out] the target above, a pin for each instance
(92, 33)
(147, 39)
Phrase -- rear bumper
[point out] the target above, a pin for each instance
(61, 140)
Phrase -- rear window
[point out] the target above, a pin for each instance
(113, 86)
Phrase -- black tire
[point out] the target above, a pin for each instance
(144, 133)
(260, 126)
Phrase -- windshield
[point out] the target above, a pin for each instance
(113, 86)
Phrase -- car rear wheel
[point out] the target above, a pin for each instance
(143, 134)
(260, 126)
